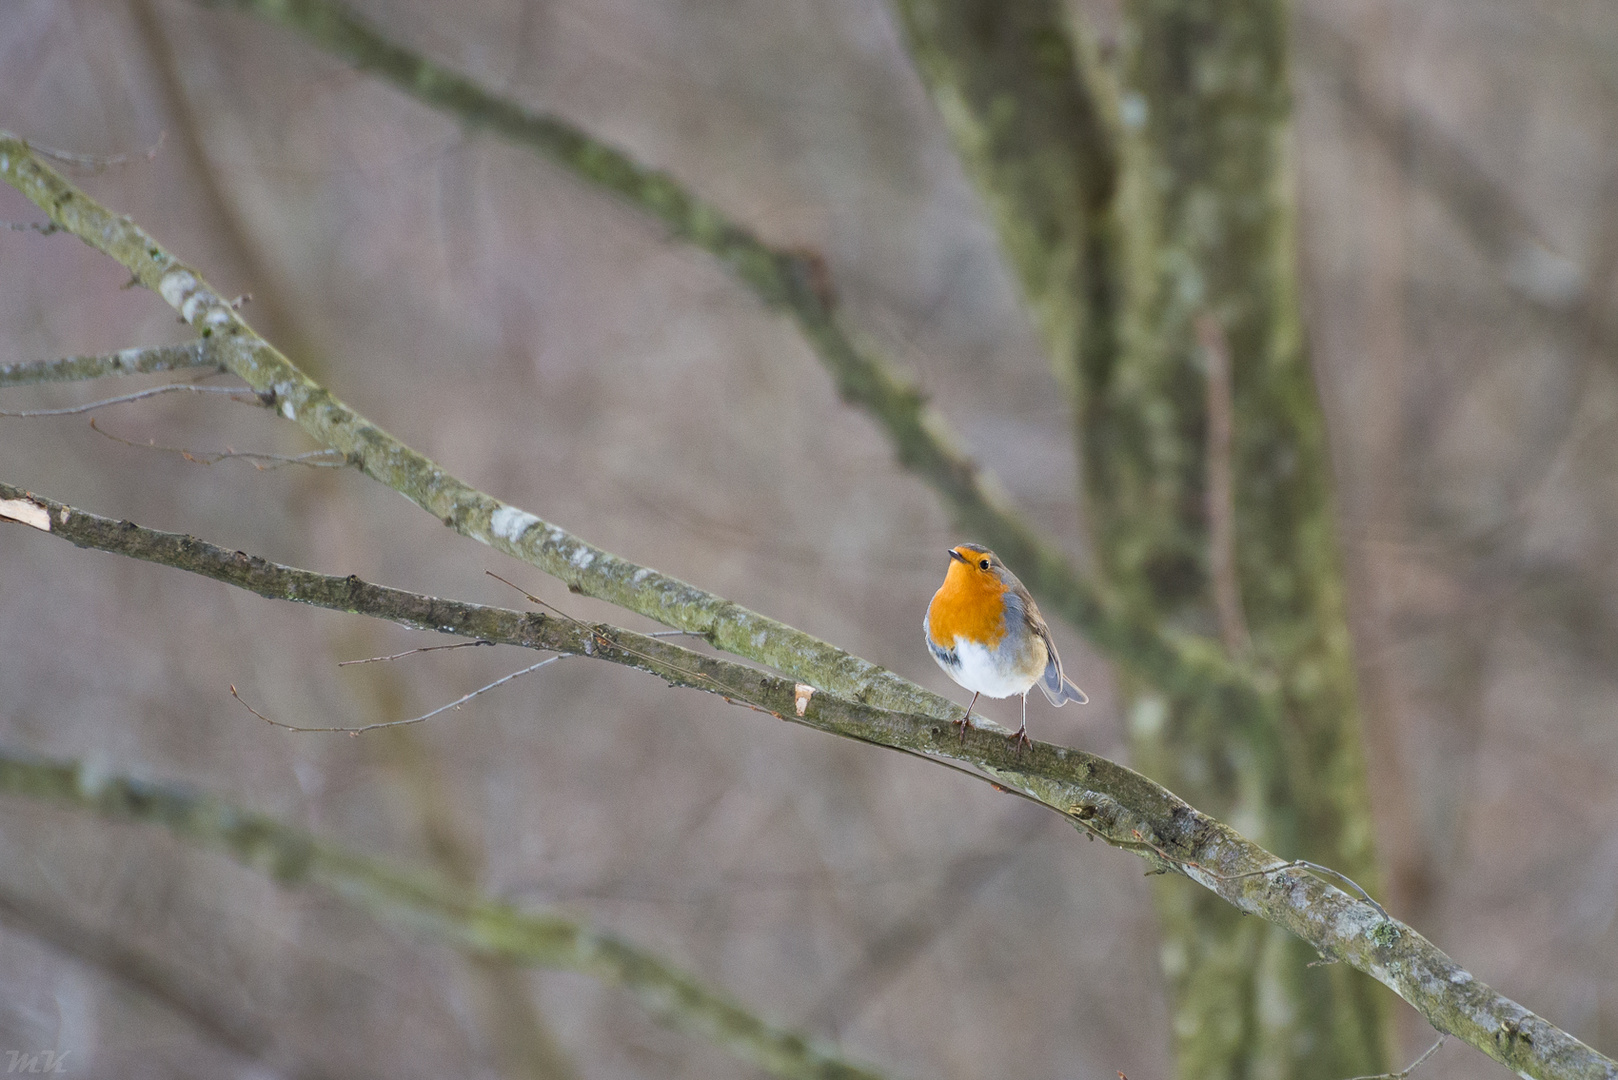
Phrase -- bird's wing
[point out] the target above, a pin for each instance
(1059, 689)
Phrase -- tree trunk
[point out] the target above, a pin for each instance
(1137, 217)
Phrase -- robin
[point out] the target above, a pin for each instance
(986, 631)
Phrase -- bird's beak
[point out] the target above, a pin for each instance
(956, 555)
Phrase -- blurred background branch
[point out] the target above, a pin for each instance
(432, 904)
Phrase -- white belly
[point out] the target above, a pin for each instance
(978, 672)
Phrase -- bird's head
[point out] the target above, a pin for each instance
(974, 564)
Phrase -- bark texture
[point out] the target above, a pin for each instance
(1134, 205)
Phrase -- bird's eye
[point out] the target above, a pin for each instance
(984, 565)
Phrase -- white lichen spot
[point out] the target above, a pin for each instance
(582, 557)
(195, 303)
(129, 359)
(1460, 978)
(218, 315)
(283, 394)
(176, 287)
(759, 639)
(509, 523)
(1359, 920)
(801, 693)
(27, 512)
(62, 517)
(5, 162)
(641, 575)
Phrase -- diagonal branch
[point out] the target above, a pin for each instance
(432, 904)
(1101, 797)
(1179, 664)
(584, 567)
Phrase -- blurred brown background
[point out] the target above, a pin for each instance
(1458, 182)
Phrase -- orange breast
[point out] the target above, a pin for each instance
(967, 605)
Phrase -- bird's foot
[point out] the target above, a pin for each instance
(966, 724)
(1020, 739)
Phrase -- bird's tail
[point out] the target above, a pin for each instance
(1059, 689)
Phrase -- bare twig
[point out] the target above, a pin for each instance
(139, 395)
(412, 652)
(314, 459)
(96, 163)
(43, 228)
(361, 729)
(1403, 1074)
(193, 354)
(1295, 864)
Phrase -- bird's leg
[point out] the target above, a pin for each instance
(1021, 739)
(966, 721)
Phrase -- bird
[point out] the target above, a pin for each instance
(986, 632)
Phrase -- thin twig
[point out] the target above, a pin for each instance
(200, 353)
(98, 162)
(139, 395)
(314, 459)
(412, 652)
(43, 228)
(1408, 1069)
(729, 693)
(457, 703)
(1295, 864)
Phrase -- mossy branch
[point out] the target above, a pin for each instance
(194, 354)
(433, 905)
(584, 567)
(1181, 665)
(1101, 797)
